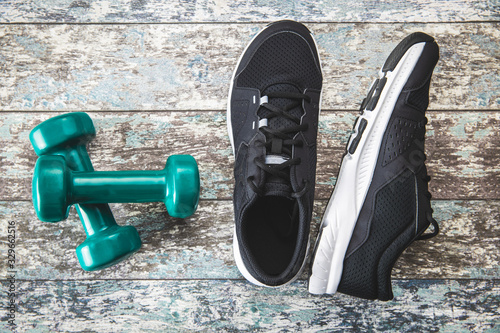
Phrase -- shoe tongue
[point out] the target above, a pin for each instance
(276, 186)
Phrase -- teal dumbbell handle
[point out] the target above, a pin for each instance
(178, 186)
(118, 186)
(94, 217)
(56, 186)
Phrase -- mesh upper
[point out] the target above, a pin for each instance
(284, 57)
(419, 98)
(394, 213)
(283, 63)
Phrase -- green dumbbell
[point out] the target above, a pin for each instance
(107, 243)
(57, 186)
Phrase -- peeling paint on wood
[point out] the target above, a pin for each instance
(160, 89)
(246, 11)
(462, 148)
(234, 306)
(200, 247)
(188, 67)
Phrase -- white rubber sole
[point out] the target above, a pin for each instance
(354, 179)
(236, 250)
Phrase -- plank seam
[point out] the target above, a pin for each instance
(251, 23)
(318, 199)
(204, 110)
(224, 279)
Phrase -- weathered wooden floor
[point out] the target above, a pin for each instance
(154, 76)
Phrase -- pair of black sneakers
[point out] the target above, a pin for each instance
(380, 203)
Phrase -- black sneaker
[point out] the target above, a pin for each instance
(380, 203)
(272, 119)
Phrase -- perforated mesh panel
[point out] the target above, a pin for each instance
(400, 135)
(283, 63)
(394, 212)
(284, 57)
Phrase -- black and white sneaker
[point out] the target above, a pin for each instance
(272, 120)
(380, 203)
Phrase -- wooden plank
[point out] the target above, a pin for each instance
(231, 306)
(462, 148)
(200, 247)
(247, 11)
(189, 66)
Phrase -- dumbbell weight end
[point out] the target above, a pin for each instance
(107, 247)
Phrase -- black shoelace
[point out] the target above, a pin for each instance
(280, 141)
(427, 179)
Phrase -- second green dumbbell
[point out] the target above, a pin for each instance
(56, 186)
(107, 243)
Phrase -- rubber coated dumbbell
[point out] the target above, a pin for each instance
(57, 187)
(107, 243)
